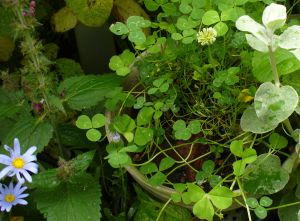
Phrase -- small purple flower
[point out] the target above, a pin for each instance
(18, 164)
(116, 137)
(12, 195)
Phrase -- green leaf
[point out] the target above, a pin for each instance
(197, 13)
(250, 122)
(184, 134)
(64, 20)
(236, 147)
(149, 168)
(260, 175)
(127, 57)
(286, 63)
(119, 28)
(82, 161)
(68, 68)
(144, 116)
(273, 104)
(179, 125)
(289, 213)
(210, 17)
(151, 5)
(124, 123)
(30, 132)
(277, 141)
(158, 179)
(166, 163)
(116, 63)
(86, 91)
(261, 212)
(252, 202)
(71, 201)
(185, 8)
(143, 136)
(208, 166)
(98, 120)
(203, 209)
(221, 197)
(45, 179)
(137, 36)
(84, 122)
(135, 23)
(265, 201)
(221, 28)
(194, 126)
(249, 155)
(118, 159)
(7, 47)
(239, 167)
(93, 13)
(232, 14)
(93, 135)
(9, 109)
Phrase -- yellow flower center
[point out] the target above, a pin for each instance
(18, 163)
(9, 198)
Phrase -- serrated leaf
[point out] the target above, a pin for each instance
(84, 122)
(71, 201)
(91, 13)
(64, 20)
(86, 91)
(82, 161)
(45, 179)
(30, 132)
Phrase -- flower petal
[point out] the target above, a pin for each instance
(17, 149)
(4, 171)
(32, 167)
(27, 176)
(274, 16)
(290, 38)
(19, 178)
(30, 151)
(5, 159)
(21, 201)
(256, 44)
(247, 24)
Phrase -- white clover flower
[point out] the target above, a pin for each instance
(18, 164)
(12, 195)
(262, 37)
(207, 36)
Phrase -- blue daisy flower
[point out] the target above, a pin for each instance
(17, 164)
(12, 195)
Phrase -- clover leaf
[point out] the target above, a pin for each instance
(259, 207)
(212, 17)
(207, 173)
(121, 63)
(183, 132)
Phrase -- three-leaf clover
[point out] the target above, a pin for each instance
(207, 174)
(259, 207)
(158, 178)
(212, 17)
(183, 132)
(85, 123)
(161, 84)
(120, 63)
(247, 155)
(133, 28)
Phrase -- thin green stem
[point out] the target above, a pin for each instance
(273, 66)
(162, 209)
(244, 198)
(282, 206)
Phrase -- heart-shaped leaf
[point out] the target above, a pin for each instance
(275, 104)
(84, 122)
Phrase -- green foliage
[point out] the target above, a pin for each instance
(64, 20)
(277, 141)
(212, 17)
(68, 68)
(248, 156)
(30, 132)
(93, 13)
(121, 63)
(85, 123)
(125, 125)
(158, 178)
(227, 77)
(207, 173)
(286, 64)
(76, 200)
(86, 91)
(183, 132)
(260, 175)
(259, 208)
